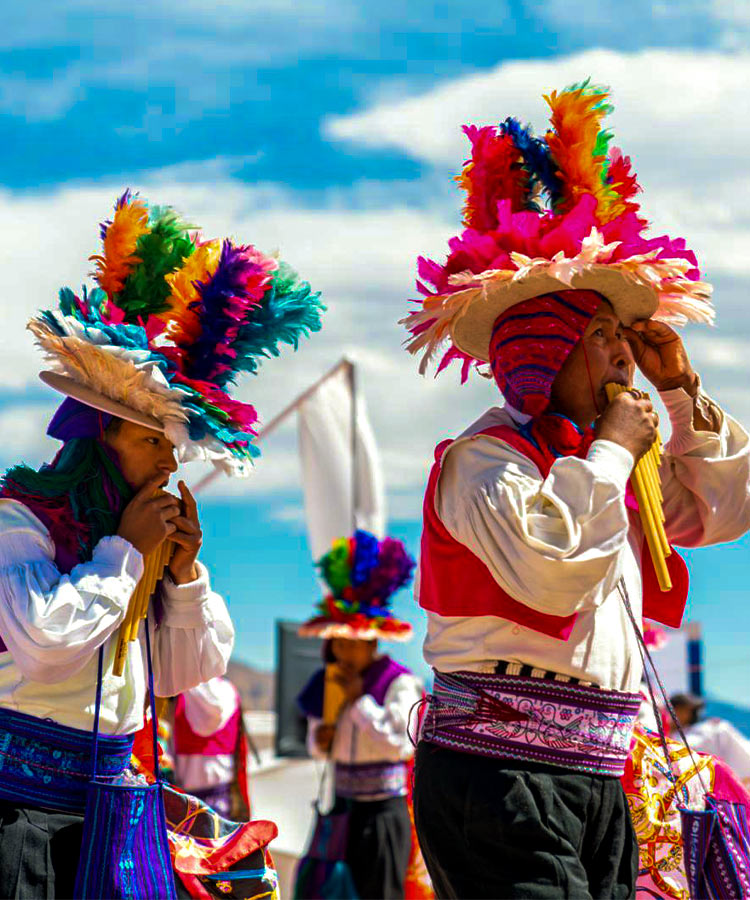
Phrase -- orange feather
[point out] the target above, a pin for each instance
(118, 260)
(576, 123)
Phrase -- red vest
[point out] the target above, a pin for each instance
(455, 582)
(188, 743)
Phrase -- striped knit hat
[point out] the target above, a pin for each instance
(531, 341)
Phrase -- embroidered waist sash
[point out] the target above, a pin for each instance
(370, 780)
(577, 727)
(47, 765)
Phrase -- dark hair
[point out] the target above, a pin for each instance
(83, 484)
(327, 651)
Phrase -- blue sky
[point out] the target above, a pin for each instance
(331, 130)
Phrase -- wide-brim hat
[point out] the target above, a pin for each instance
(84, 394)
(362, 573)
(174, 321)
(545, 215)
(471, 331)
(396, 630)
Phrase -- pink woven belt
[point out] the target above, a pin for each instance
(574, 726)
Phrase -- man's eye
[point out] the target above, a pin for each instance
(153, 441)
(599, 332)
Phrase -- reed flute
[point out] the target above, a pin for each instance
(153, 570)
(647, 489)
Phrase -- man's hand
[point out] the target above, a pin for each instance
(323, 737)
(629, 421)
(187, 538)
(660, 354)
(149, 518)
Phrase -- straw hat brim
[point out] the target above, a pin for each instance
(71, 388)
(328, 629)
(471, 332)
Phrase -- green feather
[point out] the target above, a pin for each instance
(161, 252)
(289, 311)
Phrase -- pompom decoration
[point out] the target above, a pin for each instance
(560, 205)
(362, 574)
(175, 319)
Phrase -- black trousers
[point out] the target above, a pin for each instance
(379, 847)
(38, 852)
(492, 829)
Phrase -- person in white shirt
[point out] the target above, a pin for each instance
(366, 737)
(210, 747)
(145, 361)
(713, 735)
(534, 571)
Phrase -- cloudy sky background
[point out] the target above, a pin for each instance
(331, 130)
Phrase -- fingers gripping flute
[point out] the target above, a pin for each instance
(647, 489)
(153, 569)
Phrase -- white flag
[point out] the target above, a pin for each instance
(326, 443)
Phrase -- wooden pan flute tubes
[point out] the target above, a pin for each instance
(647, 489)
(153, 569)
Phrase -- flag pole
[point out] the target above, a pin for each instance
(343, 363)
(353, 426)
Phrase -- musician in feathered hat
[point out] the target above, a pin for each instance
(146, 360)
(358, 709)
(534, 569)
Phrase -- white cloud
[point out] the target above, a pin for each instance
(679, 114)
(363, 261)
(359, 244)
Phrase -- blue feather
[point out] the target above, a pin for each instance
(536, 157)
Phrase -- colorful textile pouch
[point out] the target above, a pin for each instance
(716, 839)
(216, 857)
(323, 871)
(124, 851)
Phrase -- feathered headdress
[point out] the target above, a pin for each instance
(362, 574)
(542, 215)
(173, 322)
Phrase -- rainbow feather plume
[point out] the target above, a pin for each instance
(180, 317)
(288, 311)
(561, 205)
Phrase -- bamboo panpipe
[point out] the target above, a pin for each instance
(153, 569)
(647, 488)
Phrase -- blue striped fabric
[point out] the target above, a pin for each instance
(125, 849)
(47, 765)
(717, 850)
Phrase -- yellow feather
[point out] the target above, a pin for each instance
(198, 267)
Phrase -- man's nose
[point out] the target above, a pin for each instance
(169, 464)
(622, 355)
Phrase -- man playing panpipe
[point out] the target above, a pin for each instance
(146, 361)
(533, 546)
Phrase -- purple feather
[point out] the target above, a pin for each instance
(393, 571)
(237, 285)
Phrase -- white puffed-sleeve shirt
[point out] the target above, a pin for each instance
(560, 544)
(53, 626)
